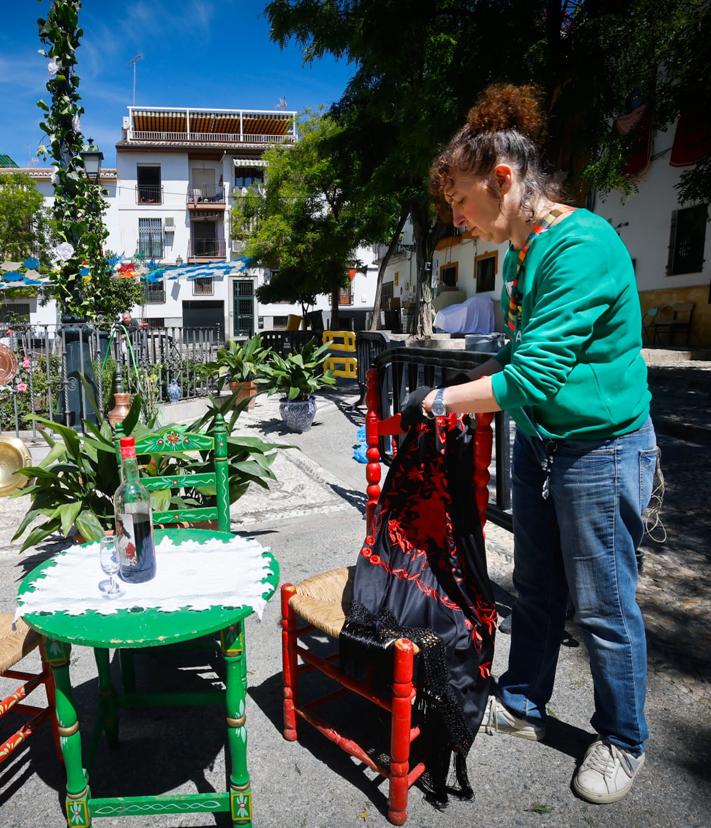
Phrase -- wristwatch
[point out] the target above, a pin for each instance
(439, 409)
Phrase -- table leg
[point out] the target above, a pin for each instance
(107, 697)
(78, 794)
(233, 650)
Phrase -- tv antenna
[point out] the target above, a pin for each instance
(134, 60)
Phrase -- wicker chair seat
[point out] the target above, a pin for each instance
(324, 599)
(15, 644)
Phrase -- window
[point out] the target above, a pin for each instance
(154, 293)
(485, 267)
(279, 323)
(386, 295)
(149, 189)
(448, 274)
(246, 176)
(687, 239)
(203, 287)
(157, 322)
(345, 295)
(150, 238)
(15, 313)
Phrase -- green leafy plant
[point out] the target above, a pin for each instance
(300, 374)
(73, 486)
(36, 383)
(241, 362)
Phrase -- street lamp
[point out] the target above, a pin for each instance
(92, 157)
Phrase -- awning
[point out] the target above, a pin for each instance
(215, 270)
(250, 162)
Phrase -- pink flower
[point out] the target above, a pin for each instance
(22, 386)
(26, 362)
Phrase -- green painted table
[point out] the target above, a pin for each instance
(149, 628)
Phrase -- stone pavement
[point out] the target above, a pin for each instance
(312, 519)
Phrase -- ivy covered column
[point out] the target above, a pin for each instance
(82, 276)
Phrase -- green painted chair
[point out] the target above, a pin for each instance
(172, 440)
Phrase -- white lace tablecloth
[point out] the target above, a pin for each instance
(189, 575)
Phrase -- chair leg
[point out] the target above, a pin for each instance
(403, 658)
(289, 661)
(51, 691)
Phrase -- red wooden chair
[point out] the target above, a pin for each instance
(321, 603)
(15, 644)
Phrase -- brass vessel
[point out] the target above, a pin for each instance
(14, 455)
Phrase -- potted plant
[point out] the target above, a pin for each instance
(71, 489)
(297, 377)
(240, 364)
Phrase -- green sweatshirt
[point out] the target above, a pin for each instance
(576, 363)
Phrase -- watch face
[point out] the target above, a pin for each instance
(439, 409)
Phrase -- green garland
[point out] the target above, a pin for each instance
(82, 280)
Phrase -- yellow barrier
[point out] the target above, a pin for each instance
(348, 345)
(349, 369)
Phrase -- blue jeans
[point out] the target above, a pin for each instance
(581, 541)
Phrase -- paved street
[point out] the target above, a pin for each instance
(312, 520)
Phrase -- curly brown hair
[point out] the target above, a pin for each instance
(505, 124)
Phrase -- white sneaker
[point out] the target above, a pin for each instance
(606, 773)
(497, 719)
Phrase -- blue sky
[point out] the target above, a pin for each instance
(195, 53)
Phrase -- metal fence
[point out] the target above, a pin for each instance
(401, 370)
(65, 372)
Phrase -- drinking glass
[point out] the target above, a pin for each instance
(109, 560)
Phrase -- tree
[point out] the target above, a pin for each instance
(420, 66)
(303, 223)
(24, 224)
(83, 280)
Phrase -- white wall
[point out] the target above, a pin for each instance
(649, 214)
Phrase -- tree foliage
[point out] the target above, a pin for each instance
(309, 218)
(24, 224)
(420, 66)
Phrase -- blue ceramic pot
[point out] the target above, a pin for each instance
(298, 415)
(175, 392)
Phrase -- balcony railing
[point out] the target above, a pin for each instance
(149, 194)
(197, 196)
(206, 249)
(208, 137)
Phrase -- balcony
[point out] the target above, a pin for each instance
(200, 250)
(199, 200)
(149, 194)
(143, 136)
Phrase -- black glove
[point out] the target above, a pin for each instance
(412, 409)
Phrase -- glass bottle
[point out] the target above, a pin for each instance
(134, 522)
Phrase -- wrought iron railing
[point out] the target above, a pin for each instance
(401, 370)
(52, 384)
(208, 137)
(199, 196)
(206, 248)
(149, 194)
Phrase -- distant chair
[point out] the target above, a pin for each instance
(674, 319)
(648, 325)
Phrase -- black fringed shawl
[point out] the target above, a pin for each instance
(422, 575)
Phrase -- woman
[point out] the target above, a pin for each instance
(573, 378)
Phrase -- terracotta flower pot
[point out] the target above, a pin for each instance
(244, 391)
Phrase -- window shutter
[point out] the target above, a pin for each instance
(672, 242)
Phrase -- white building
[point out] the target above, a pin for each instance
(178, 171)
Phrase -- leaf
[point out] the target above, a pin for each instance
(70, 437)
(39, 533)
(160, 500)
(68, 515)
(132, 417)
(89, 526)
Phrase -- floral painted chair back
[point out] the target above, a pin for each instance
(172, 440)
